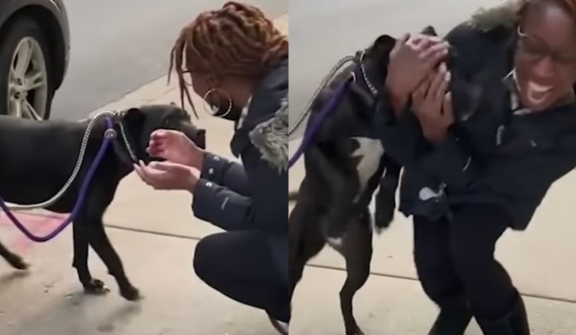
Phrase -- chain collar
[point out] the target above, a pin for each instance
(113, 134)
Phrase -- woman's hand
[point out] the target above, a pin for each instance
(176, 147)
(411, 60)
(432, 105)
(168, 176)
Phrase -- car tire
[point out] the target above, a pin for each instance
(17, 30)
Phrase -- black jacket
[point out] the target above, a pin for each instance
(253, 195)
(491, 155)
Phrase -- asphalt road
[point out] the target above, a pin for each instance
(118, 46)
(321, 34)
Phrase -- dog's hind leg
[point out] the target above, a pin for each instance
(305, 240)
(357, 250)
(14, 260)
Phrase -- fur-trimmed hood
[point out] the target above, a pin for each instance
(265, 126)
(504, 14)
(271, 137)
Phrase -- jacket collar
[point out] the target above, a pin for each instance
(264, 120)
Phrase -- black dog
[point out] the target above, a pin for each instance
(344, 165)
(38, 158)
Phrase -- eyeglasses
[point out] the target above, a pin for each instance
(534, 50)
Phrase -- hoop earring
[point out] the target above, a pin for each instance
(211, 113)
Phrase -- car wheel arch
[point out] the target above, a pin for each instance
(54, 37)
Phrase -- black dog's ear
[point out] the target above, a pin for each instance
(383, 43)
(134, 116)
(172, 103)
(430, 31)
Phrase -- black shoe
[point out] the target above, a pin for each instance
(514, 323)
(454, 317)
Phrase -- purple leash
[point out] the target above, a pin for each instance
(79, 201)
(313, 128)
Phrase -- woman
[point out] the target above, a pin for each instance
(238, 62)
(471, 173)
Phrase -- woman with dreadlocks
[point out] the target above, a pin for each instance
(488, 152)
(237, 61)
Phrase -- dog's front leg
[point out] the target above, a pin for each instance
(342, 190)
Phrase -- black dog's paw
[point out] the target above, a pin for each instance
(96, 287)
(131, 294)
(17, 262)
(383, 217)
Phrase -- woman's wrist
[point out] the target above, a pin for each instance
(192, 183)
(196, 158)
(398, 100)
(436, 137)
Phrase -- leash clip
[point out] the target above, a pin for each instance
(110, 133)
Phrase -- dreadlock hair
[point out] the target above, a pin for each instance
(511, 12)
(236, 40)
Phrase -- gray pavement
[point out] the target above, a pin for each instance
(118, 46)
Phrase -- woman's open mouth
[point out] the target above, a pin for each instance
(536, 93)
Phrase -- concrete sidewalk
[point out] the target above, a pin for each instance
(155, 235)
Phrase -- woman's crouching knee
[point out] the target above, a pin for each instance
(203, 262)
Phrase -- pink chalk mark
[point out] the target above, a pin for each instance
(37, 224)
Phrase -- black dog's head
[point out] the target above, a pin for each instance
(465, 94)
(377, 56)
(139, 123)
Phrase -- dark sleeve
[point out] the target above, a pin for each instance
(229, 174)
(401, 136)
(265, 210)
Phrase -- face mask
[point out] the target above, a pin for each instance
(233, 115)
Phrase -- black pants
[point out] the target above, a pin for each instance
(240, 266)
(457, 257)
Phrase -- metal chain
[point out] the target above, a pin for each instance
(325, 82)
(322, 85)
(76, 170)
(127, 143)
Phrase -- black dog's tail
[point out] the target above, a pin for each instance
(429, 30)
